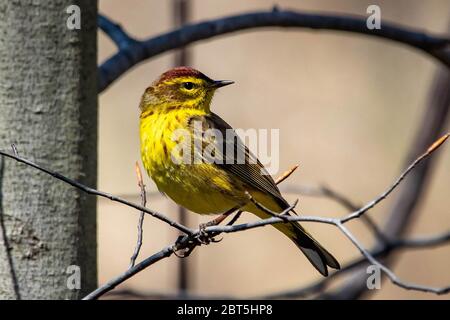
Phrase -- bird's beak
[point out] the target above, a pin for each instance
(221, 83)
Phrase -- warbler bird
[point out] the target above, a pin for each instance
(180, 100)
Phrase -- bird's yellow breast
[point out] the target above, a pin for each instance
(199, 187)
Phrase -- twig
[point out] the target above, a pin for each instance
(381, 197)
(286, 174)
(391, 275)
(327, 192)
(102, 194)
(14, 149)
(141, 217)
(133, 51)
(377, 251)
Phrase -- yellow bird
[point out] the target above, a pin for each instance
(179, 103)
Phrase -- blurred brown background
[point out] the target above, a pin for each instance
(347, 107)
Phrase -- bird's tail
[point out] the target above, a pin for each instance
(319, 257)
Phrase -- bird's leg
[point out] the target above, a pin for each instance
(203, 237)
(235, 218)
(206, 238)
(217, 220)
(187, 249)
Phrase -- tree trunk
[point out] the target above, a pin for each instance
(48, 108)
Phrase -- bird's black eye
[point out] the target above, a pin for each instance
(188, 85)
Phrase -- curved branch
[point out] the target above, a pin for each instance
(115, 32)
(133, 51)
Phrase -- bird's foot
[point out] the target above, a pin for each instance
(186, 248)
(203, 236)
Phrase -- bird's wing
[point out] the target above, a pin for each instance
(254, 175)
(250, 171)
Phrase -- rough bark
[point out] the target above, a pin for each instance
(48, 108)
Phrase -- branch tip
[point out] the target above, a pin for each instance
(437, 143)
(139, 175)
(286, 174)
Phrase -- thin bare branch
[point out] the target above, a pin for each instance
(381, 197)
(141, 216)
(327, 192)
(391, 275)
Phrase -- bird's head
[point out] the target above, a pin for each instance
(181, 87)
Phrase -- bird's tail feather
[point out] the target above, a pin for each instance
(319, 257)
